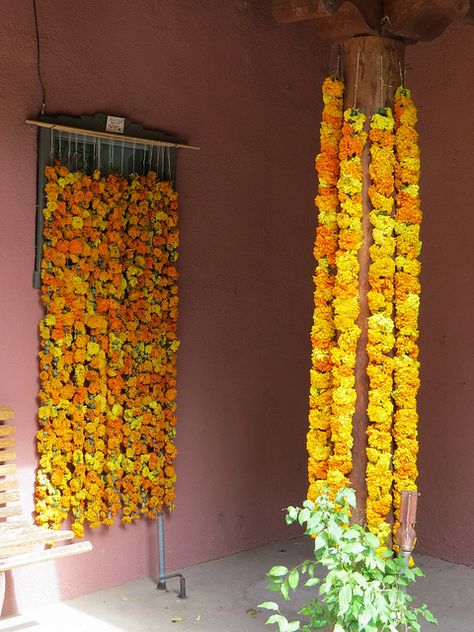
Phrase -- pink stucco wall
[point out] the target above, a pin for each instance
(442, 81)
(224, 76)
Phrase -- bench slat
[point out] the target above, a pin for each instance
(13, 510)
(8, 483)
(5, 470)
(7, 442)
(13, 544)
(22, 526)
(9, 497)
(6, 413)
(43, 556)
(7, 455)
(22, 543)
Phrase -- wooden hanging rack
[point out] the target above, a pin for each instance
(109, 135)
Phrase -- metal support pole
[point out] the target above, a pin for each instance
(161, 562)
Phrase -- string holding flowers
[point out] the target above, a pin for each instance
(108, 349)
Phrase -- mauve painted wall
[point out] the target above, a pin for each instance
(225, 76)
(443, 87)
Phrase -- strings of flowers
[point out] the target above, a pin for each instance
(407, 295)
(393, 301)
(380, 334)
(323, 333)
(108, 349)
(346, 297)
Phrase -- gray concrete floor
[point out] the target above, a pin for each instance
(223, 596)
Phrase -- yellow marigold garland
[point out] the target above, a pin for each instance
(323, 333)
(394, 295)
(108, 347)
(346, 297)
(407, 296)
(380, 335)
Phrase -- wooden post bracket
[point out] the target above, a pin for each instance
(412, 20)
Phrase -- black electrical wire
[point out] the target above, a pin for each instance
(38, 61)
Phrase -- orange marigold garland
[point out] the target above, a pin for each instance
(107, 413)
(380, 335)
(407, 296)
(346, 297)
(323, 333)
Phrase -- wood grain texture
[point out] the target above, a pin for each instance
(23, 543)
(6, 413)
(55, 553)
(411, 20)
(425, 20)
(371, 66)
(296, 10)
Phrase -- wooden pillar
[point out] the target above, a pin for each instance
(372, 67)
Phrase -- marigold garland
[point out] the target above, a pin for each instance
(107, 363)
(407, 296)
(323, 333)
(380, 335)
(393, 299)
(346, 297)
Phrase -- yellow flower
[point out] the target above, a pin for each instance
(407, 297)
(108, 356)
(323, 333)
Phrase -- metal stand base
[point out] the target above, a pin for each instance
(182, 584)
(161, 562)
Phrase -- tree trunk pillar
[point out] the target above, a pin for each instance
(373, 67)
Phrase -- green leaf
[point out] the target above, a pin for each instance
(268, 605)
(372, 540)
(294, 625)
(313, 581)
(345, 597)
(353, 547)
(364, 618)
(277, 571)
(276, 618)
(285, 591)
(429, 616)
(319, 542)
(293, 579)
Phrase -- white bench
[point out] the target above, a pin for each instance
(21, 542)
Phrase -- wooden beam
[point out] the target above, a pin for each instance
(296, 10)
(371, 67)
(411, 20)
(109, 135)
(425, 19)
(341, 26)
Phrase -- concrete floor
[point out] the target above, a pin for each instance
(223, 596)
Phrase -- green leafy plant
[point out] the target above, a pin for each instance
(364, 589)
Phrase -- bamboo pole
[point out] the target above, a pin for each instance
(372, 68)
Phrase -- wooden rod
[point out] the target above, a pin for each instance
(372, 67)
(109, 135)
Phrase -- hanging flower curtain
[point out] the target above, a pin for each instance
(108, 349)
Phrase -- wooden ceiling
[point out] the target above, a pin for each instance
(411, 20)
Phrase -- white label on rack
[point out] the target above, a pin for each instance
(115, 124)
